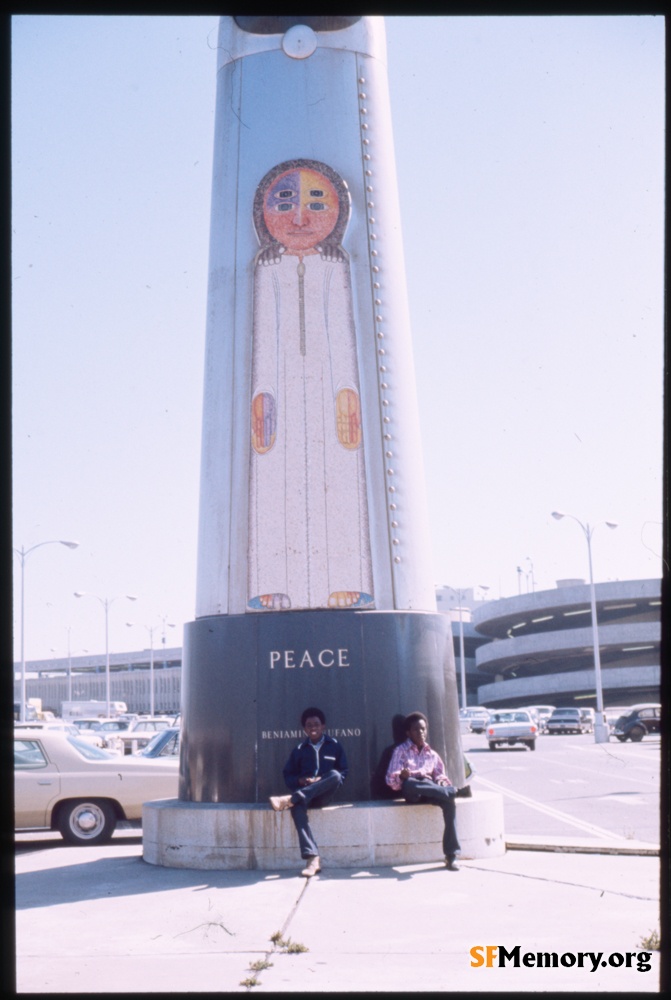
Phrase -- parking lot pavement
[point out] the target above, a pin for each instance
(101, 920)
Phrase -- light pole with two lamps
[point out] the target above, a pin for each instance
(23, 554)
(151, 629)
(601, 732)
(106, 602)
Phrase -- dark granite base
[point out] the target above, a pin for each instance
(247, 678)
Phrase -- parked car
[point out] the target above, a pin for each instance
(66, 727)
(510, 727)
(542, 714)
(94, 731)
(478, 721)
(87, 724)
(107, 729)
(565, 720)
(63, 783)
(163, 744)
(587, 716)
(112, 725)
(613, 714)
(62, 727)
(638, 722)
(139, 733)
(467, 715)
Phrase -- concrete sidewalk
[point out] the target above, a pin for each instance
(102, 920)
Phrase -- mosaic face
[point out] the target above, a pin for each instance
(301, 209)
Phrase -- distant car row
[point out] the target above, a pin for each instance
(121, 735)
(512, 725)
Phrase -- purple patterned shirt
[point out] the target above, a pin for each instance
(424, 763)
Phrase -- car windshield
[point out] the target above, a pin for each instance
(161, 745)
(502, 717)
(154, 742)
(570, 712)
(88, 750)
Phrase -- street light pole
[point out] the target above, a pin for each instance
(459, 594)
(462, 658)
(106, 602)
(601, 732)
(530, 574)
(23, 554)
(69, 630)
(151, 629)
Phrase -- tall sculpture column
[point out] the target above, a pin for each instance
(314, 575)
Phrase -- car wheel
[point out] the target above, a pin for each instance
(492, 746)
(532, 744)
(636, 734)
(87, 822)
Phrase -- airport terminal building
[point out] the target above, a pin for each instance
(536, 648)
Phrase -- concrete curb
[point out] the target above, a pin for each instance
(631, 849)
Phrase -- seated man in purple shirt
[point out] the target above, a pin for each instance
(417, 771)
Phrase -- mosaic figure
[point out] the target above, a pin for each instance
(308, 522)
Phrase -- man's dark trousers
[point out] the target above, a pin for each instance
(312, 796)
(415, 790)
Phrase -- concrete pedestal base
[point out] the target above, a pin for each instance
(220, 836)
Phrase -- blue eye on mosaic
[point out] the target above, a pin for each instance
(284, 207)
(316, 206)
(316, 194)
(285, 194)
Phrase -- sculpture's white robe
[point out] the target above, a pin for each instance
(308, 520)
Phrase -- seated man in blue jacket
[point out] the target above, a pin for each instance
(314, 772)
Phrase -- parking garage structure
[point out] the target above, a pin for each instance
(541, 645)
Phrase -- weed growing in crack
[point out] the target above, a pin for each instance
(287, 946)
(249, 982)
(294, 947)
(652, 942)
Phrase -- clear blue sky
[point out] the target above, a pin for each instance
(530, 154)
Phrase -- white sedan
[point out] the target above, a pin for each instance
(63, 783)
(65, 727)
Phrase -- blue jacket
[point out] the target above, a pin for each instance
(306, 762)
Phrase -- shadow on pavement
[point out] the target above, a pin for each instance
(111, 877)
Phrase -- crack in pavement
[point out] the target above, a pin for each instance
(556, 881)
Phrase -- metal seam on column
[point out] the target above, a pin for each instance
(374, 253)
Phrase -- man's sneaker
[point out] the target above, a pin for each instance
(280, 802)
(450, 863)
(312, 867)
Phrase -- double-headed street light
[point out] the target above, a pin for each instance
(151, 629)
(601, 732)
(23, 554)
(106, 602)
